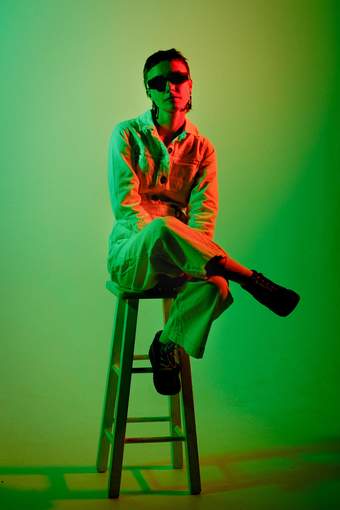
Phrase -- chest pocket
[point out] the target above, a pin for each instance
(182, 174)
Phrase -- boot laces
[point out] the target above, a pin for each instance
(167, 357)
(265, 283)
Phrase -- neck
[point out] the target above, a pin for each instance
(169, 123)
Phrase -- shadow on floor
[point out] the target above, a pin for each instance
(291, 469)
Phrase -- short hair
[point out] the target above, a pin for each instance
(160, 56)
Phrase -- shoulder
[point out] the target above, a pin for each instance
(125, 125)
(120, 134)
(137, 123)
(126, 131)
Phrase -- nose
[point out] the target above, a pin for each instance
(169, 85)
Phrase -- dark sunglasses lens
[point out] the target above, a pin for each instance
(158, 83)
(178, 77)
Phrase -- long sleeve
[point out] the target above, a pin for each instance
(203, 201)
(124, 182)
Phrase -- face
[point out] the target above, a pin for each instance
(175, 96)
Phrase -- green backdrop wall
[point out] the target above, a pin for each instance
(265, 91)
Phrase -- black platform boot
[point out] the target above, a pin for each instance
(278, 299)
(165, 368)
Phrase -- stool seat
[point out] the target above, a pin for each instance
(154, 293)
(115, 409)
(166, 288)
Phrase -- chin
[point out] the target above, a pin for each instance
(173, 108)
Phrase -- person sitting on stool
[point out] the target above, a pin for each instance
(164, 195)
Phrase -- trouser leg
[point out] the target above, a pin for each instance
(169, 247)
(165, 246)
(195, 307)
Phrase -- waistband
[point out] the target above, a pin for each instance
(157, 207)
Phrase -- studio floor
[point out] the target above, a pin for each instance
(297, 477)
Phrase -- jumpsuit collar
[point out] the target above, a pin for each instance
(147, 124)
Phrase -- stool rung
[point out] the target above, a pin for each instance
(140, 356)
(134, 370)
(141, 370)
(159, 439)
(146, 419)
(178, 436)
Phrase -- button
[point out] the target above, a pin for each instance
(163, 179)
(170, 149)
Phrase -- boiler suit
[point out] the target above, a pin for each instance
(165, 202)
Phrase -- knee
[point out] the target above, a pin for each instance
(221, 286)
(158, 232)
(156, 226)
(163, 224)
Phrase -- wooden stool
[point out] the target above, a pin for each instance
(116, 399)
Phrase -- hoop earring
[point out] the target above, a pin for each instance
(189, 104)
(155, 110)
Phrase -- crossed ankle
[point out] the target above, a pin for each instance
(221, 266)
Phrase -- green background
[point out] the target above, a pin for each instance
(265, 91)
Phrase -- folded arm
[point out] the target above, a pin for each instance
(203, 202)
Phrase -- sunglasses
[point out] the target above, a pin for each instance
(159, 82)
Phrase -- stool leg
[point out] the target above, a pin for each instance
(111, 387)
(167, 303)
(174, 406)
(193, 466)
(175, 420)
(123, 392)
